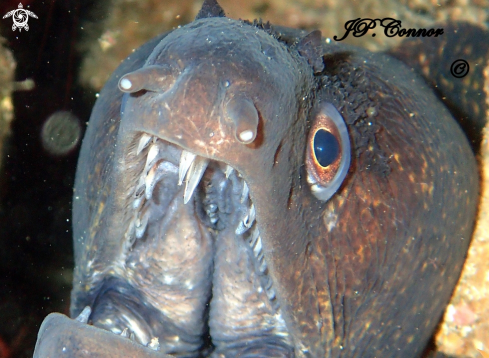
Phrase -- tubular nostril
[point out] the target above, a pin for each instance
(150, 78)
(245, 118)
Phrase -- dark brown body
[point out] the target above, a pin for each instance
(364, 274)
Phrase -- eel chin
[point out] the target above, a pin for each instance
(191, 272)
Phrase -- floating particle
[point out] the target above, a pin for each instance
(61, 133)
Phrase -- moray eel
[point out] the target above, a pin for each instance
(245, 190)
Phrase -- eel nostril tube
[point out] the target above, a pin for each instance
(245, 118)
(151, 78)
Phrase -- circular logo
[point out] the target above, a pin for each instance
(460, 68)
(20, 17)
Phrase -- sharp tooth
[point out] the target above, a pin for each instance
(247, 221)
(150, 182)
(186, 160)
(260, 258)
(139, 186)
(245, 192)
(269, 284)
(193, 176)
(154, 344)
(137, 202)
(257, 248)
(139, 191)
(252, 212)
(229, 170)
(270, 294)
(143, 142)
(141, 225)
(125, 333)
(242, 228)
(84, 315)
(250, 218)
(152, 153)
(254, 235)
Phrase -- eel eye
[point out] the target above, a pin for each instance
(328, 152)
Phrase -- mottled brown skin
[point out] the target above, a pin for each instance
(365, 274)
(466, 97)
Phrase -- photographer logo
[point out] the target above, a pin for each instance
(20, 17)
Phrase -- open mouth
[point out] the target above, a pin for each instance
(235, 301)
(219, 190)
(164, 160)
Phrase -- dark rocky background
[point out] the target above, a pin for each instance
(36, 255)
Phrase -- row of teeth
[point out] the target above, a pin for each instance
(190, 170)
(248, 226)
(255, 243)
(153, 344)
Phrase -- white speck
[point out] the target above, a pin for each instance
(189, 284)
(199, 143)
(450, 313)
(167, 279)
(330, 219)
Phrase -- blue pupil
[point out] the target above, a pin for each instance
(326, 147)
